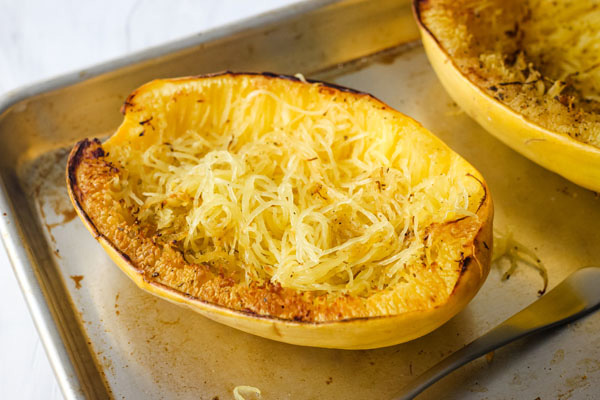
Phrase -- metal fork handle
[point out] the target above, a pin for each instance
(576, 296)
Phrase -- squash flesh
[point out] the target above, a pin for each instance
(96, 168)
(539, 57)
(478, 51)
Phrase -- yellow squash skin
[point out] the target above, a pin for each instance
(347, 333)
(576, 161)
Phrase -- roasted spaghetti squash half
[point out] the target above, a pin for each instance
(527, 71)
(298, 211)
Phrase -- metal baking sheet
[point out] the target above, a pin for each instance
(106, 338)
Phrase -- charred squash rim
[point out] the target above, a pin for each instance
(352, 333)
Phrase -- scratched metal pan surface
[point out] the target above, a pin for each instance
(107, 338)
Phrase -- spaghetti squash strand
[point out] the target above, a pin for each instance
(301, 194)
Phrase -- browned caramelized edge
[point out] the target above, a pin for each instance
(417, 7)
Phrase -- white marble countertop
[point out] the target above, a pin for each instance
(41, 39)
